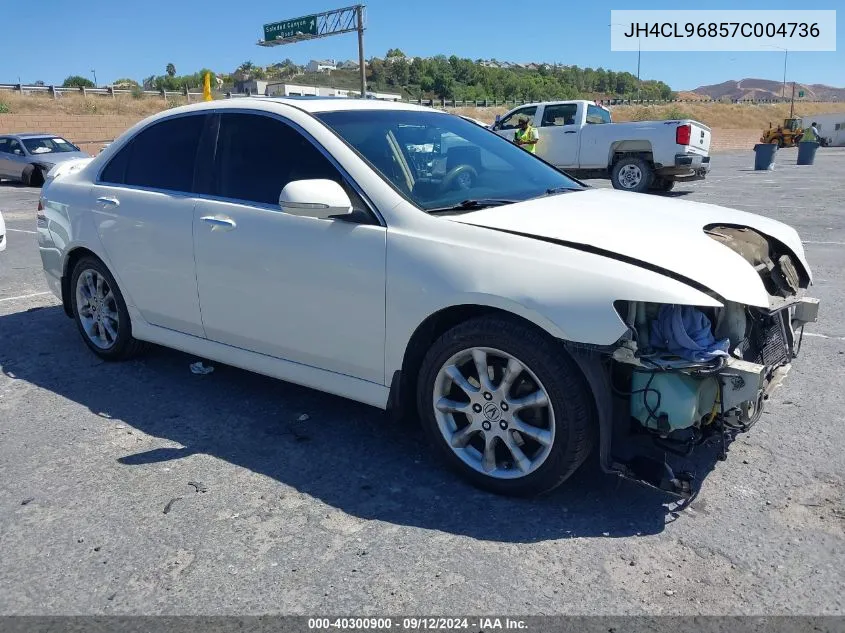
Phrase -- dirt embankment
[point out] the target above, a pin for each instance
(89, 121)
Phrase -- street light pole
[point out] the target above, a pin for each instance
(95, 77)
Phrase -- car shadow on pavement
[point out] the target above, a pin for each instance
(346, 454)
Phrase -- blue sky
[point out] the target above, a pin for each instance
(137, 39)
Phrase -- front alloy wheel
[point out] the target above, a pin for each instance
(505, 406)
(494, 413)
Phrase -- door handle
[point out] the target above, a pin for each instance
(570, 132)
(108, 201)
(219, 222)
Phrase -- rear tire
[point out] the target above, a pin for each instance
(100, 312)
(632, 173)
(536, 446)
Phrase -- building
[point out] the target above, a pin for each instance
(280, 89)
(321, 66)
(251, 86)
(348, 65)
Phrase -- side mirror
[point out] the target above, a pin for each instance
(18, 152)
(322, 199)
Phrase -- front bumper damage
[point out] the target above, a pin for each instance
(652, 440)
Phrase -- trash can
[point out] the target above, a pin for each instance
(764, 155)
(807, 152)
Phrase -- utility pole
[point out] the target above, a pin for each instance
(359, 11)
(639, 52)
(785, 57)
(792, 105)
(95, 77)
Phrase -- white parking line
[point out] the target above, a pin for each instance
(22, 231)
(833, 243)
(34, 294)
(833, 338)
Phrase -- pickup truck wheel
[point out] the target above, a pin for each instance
(632, 174)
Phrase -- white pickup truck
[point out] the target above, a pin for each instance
(580, 138)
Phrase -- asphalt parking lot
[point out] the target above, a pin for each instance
(142, 488)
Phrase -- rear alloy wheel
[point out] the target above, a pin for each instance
(505, 407)
(100, 312)
(632, 174)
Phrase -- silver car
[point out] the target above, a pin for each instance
(28, 157)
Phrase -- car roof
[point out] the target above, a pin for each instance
(333, 104)
(30, 135)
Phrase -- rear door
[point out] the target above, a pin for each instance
(12, 159)
(143, 202)
(559, 129)
(5, 161)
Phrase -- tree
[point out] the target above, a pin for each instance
(171, 70)
(77, 81)
(259, 73)
(246, 68)
(39, 83)
(125, 82)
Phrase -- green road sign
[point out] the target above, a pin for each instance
(800, 93)
(306, 25)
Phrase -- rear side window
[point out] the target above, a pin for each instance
(562, 114)
(4, 144)
(258, 155)
(163, 156)
(598, 115)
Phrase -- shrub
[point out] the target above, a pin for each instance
(4, 108)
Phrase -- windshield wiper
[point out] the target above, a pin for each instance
(554, 190)
(473, 204)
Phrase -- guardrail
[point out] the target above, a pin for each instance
(57, 91)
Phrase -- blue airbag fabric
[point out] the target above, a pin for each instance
(685, 331)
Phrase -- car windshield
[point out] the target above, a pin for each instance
(48, 145)
(440, 161)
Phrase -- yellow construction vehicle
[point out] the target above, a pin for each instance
(786, 135)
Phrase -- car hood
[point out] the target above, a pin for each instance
(54, 158)
(652, 231)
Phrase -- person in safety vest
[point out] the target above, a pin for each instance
(526, 135)
(811, 133)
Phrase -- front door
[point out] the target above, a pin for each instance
(506, 128)
(302, 289)
(559, 135)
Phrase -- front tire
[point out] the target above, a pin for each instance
(632, 173)
(505, 406)
(100, 312)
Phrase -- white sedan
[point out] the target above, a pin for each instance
(412, 260)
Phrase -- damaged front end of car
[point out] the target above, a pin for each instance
(684, 376)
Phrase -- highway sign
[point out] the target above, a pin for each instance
(306, 25)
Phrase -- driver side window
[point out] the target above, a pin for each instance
(511, 122)
(15, 148)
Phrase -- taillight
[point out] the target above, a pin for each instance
(683, 133)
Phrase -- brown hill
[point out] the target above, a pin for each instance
(761, 89)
